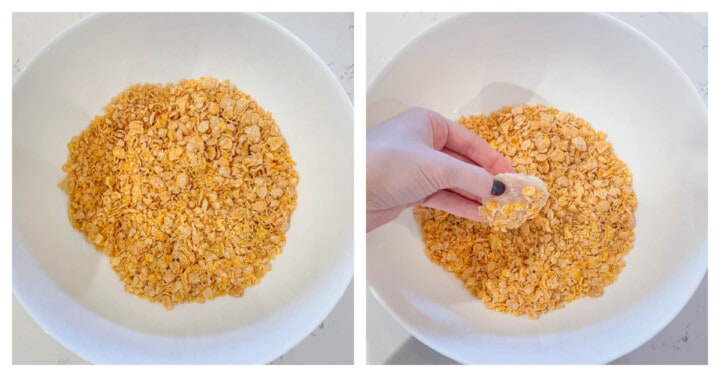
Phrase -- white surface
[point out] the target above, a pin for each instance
(435, 307)
(296, 296)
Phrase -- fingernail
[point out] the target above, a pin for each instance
(498, 187)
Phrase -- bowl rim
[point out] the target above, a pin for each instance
(600, 15)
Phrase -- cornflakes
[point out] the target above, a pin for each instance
(188, 188)
(522, 200)
(574, 248)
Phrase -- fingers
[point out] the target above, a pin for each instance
(457, 156)
(463, 177)
(450, 135)
(467, 143)
(455, 204)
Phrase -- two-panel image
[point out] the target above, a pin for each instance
(185, 188)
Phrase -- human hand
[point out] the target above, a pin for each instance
(420, 157)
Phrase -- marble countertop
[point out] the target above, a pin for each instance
(685, 340)
(331, 36)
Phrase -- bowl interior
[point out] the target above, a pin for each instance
(624, 85)
(72, 79)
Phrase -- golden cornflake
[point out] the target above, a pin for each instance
(164, 183)
(573, 248)
(522, 200)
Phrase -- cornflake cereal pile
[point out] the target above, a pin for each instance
(188, 188)
(573, 248)
(522, 200)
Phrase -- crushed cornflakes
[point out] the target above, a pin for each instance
(522, 200)
(188, 188)
(574, 248)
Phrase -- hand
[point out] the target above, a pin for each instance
(420, 157)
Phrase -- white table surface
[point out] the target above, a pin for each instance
(331, 36)
(685, 339)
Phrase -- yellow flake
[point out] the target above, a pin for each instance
(575, 245)
(173, 231)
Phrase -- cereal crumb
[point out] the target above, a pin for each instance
(522, 200)
(573, 248)
(163, 183)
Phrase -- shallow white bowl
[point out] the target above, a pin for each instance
(70, 289)
(622, 83)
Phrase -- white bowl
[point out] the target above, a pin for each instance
(70, 289)
(622, 83)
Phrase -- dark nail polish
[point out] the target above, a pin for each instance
(498, 187)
